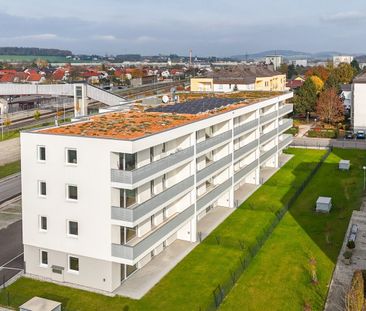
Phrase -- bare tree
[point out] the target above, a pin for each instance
(329, 106)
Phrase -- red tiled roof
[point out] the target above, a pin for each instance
(294, 84)
(34, 76)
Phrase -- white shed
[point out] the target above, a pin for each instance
(344, 165)
(324, 204)
(40, 304)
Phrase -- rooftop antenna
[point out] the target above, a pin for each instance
(190, 58)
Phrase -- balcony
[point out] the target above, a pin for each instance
(213, 167)
(265, 137)
(212, 195)
(245, 149)
(268, 117)
(285, 125)
(147, 171)
(213, 141)
(160, 200)
(285, 141)
(245, 171)
(267, 154)
(246, 127)
(132, 252)
(286, 109)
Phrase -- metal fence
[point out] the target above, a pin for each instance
(224, 288)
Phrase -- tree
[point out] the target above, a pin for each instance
(329, 106)
(283, 69)
(319, 84)
(305, 99)
(319, 71)
(333, 82)
(291, 71)
(344, 73)
(356, 66)
(37, 115)
(41, 63)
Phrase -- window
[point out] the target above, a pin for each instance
(73, 264)
(71, 156)
(163, 148)
(152, 221)
(72, 192)
(151, 154)
(152, 187)
(42, 189)
(43, 223)
(127, 161)
(163, 181)
(73, 228)
(127, 234)
(41, 153)
(127, 197)
(44, 258)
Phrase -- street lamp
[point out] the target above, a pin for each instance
(364, 177)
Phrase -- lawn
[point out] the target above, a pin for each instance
(190, 284)
(280, 274)
(10, 168)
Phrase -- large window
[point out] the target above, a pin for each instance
(44, 258)
(42, 188)
(73, 228)
(72, 192)
(127, 161)
(43, 223)
(41, 153)
(127, 197)
(127, 234)
(73, 264)
(71, 156)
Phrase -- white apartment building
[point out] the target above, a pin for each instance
(99, 204)
(275, 60)
(358, 103)
(342, 59)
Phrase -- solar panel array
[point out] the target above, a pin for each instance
(196, 106)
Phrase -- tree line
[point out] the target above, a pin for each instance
(33, 51)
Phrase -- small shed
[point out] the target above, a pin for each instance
(344, 165)
(40, 304)
(324, 204)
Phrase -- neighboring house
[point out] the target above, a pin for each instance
(342, 59)
(346, 96)
(155, 177)
(240, 78)
(300, 62)
(358, 100)
(294, 84)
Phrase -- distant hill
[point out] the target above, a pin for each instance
(33, 51)
(289, 54)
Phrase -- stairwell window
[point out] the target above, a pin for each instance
(42, 188)
(73, 228)
(43, 258)
(43, 223)
(72, 192)
(73, 264)
(41, 153)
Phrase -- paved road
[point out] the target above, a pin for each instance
(325, 143)
(10, 187)
(11, 254)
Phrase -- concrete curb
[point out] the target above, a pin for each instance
(9, 177)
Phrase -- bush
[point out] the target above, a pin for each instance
(355, 296)
(351, 244)
(322, 133)
(347, 254)
(293, 131)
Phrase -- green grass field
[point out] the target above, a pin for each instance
(9, 169)
(31, 58)
(280, 275)
(190, 284)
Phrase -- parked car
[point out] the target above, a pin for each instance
(349, 135)
(360, 135)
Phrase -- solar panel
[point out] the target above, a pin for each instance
(197, 106)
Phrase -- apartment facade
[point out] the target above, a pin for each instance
(342, 59)
(96, 209)
(358, 103)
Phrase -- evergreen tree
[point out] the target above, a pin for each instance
(306, 97)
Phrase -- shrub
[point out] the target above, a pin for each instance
(351, 244)
(355, 296)
(347, 254)
(322, 133)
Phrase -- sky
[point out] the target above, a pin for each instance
(209, 28)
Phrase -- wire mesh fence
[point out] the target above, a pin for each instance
(223, 289)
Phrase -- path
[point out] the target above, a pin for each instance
(303, 129)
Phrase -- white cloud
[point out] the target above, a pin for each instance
(105, 37)
(144, 39)
(41, 36)
(351, 16)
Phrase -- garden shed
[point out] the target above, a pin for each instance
(324, 204)
(344, 165)
(40, 304)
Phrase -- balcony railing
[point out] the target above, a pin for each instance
(245, 149)
(159, 234)
(285, 141)
(286, 124)
(265, 137)
(213, 141)
(267, 154)
(268, 116)
(158, 201)
(245, 170)
(286, 109)
(146, 171)
(211, 196)
(246, 127)
(213, 167)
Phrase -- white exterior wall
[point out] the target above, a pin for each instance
(97, 193)
(226, 88)
(358, 110)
